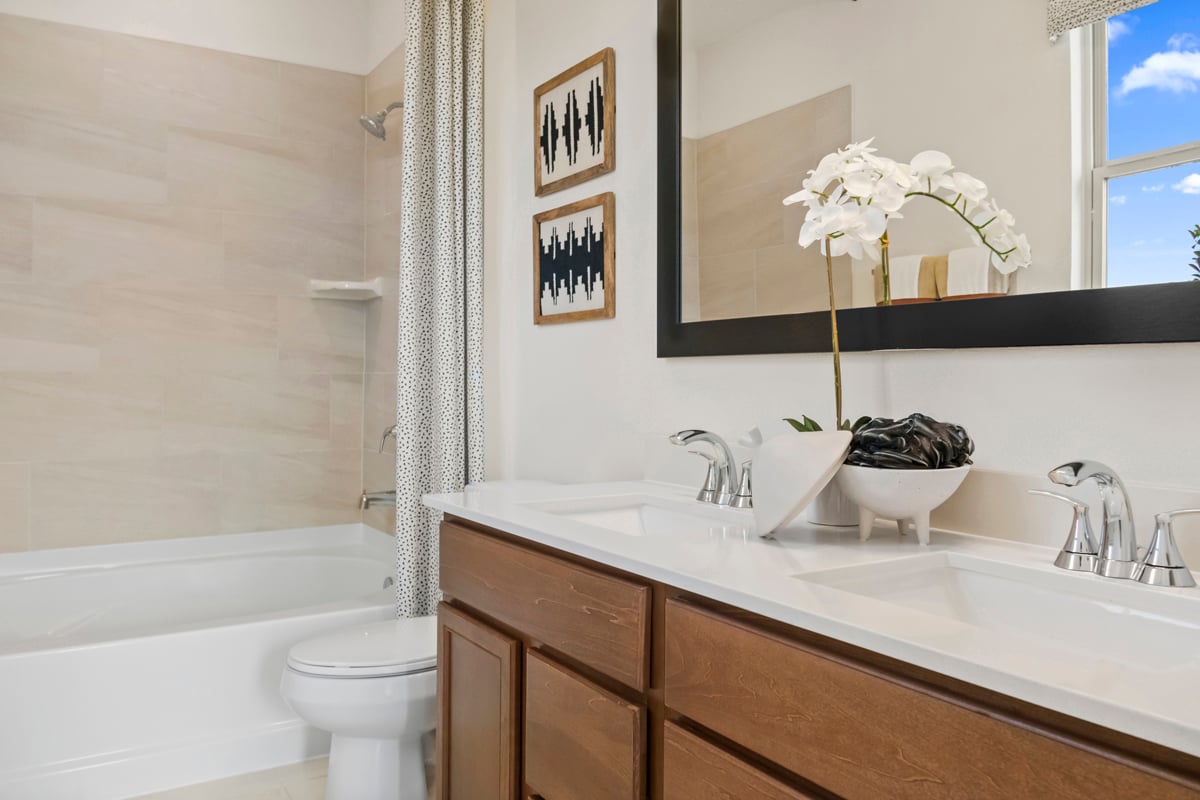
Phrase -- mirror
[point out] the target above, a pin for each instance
(754, 93)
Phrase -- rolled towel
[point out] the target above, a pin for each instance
(970, 272)
(906, 278)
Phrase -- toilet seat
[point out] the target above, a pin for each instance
(374, 650)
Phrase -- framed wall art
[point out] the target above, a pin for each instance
(574, 254)
(574, 125)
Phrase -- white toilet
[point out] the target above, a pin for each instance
(374, 688)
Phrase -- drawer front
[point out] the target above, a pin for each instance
(600, 620)
(694, 769)
(581, 742)
(862, 736)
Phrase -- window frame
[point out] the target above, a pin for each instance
(1102, 168)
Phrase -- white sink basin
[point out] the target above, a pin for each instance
(1119, 621)
(643, 515)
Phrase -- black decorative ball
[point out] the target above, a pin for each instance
(915, 442)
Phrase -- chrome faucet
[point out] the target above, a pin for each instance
(369, 499)
(389, 432)
(1117, 556)
(725, 487)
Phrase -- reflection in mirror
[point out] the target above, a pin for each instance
(771, 86)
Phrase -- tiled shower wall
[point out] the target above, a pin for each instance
(162, 370)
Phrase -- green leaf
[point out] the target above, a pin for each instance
(811, 424)
(858, 423)
(798, 425)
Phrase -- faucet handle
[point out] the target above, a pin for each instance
(708, 492)
(745, 493)
(1080, 551)
(1163, 564)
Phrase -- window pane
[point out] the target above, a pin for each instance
(1150, 216)
(1153, 78)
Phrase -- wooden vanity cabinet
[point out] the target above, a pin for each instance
(561, 679)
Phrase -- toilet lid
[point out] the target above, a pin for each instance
(377, 649)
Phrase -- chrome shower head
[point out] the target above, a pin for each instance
(373, 123)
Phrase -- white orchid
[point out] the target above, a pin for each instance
(853, 193)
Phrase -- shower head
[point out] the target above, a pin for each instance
(373, 123)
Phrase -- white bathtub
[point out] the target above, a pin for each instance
(128, 669)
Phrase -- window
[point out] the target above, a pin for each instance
(1146, 146)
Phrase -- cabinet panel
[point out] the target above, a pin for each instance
(694, 769)
(600, 620)
(478, 710)
(863, 736)
(581, 742)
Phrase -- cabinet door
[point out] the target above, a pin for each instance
(694, 769)
(581, 742)
(478, 685)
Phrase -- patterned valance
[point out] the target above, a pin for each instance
(1063, 15)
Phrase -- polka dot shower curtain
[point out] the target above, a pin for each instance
(439, 426)
(1063, 15)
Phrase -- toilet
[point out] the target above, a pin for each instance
(374, 688)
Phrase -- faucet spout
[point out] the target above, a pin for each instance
(726, 465)
(1118, 541)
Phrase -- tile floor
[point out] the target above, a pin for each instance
(304, 781)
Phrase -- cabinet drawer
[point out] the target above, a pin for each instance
(581, 742)
(694, 769)
(600, 620)
(863, 736)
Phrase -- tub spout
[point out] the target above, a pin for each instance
(369, 499)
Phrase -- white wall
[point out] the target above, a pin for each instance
(590, 400)
(346, 35)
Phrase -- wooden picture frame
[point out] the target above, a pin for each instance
(574, 125)
(574, 261)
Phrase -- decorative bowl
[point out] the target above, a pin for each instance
(905, 495)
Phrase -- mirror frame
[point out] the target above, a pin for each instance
(1159, 313)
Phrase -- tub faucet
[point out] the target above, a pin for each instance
(725, 487)
(390, 431)
(1118, 556)
(369, 499)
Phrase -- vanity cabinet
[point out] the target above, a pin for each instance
(568, 680)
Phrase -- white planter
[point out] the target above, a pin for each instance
(833, 508)
(905, 495)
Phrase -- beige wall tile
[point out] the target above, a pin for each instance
(741, 220)
(383, 247)
(321, 105)
(16, 239)
(180, 331)
(48, 64)
(14, 499)
(321, 335)
(267, 176)
(47, 329)
(384, 186)
(792, 280)
(261, 491)
(56, 417)
(379, 413)
(69, 154)
(191, 86)
(385, 83)
(116, 244)
(204, 413)
(124, 499)
(727, 286)
(379, 475)
(382, 327)
(346, 411)
(280, 256)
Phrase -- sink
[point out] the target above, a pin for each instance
(1094, 617)
(643, 515)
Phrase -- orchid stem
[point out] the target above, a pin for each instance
(887, 272)
(833, 327)
(962, 214)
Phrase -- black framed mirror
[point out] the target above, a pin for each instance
(1154, 313)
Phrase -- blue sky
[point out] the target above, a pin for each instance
(1153, 102)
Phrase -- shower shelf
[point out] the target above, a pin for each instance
(346, 290)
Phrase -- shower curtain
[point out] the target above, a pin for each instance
(439, 425)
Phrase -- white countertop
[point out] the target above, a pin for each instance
(760, 575)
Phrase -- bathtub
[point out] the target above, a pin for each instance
(132, 668)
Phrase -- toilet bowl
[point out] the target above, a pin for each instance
(373, 687)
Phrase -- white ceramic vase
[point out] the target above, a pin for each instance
(832, 508)
(905, 495)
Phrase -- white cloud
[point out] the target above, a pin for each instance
(1189, 185)
(1118, 199)
(1158, 187)
(1117, 28)
(1174, 71)
(1183, 41)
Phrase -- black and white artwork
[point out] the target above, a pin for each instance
(573, 269)
(573, 117)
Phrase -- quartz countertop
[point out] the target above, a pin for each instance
(765, 576)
